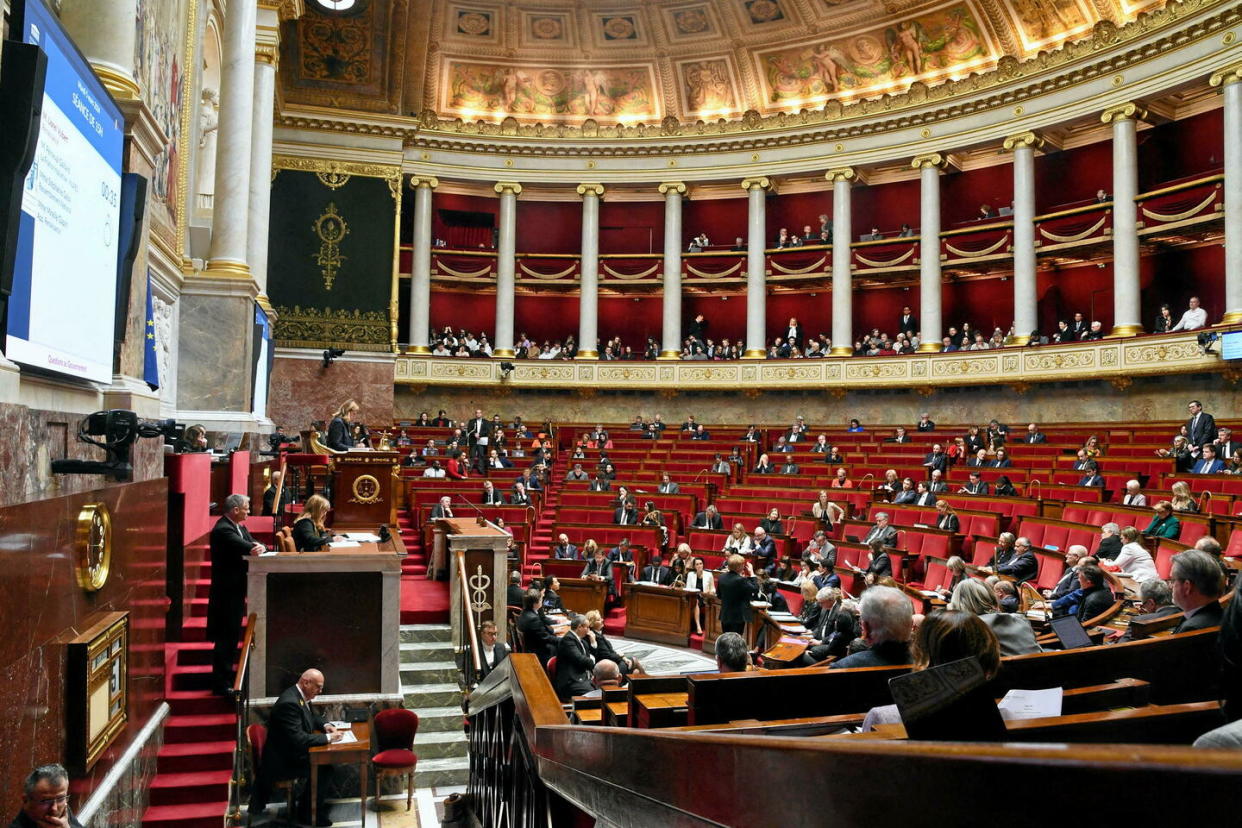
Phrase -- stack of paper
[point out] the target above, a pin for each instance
(361, 537)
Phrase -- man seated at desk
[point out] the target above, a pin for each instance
(599, 568)
(563, 550)
(574, 660)
(656, 572)
(537, 633)
(622, 555)
(309, 533)
(293, 729)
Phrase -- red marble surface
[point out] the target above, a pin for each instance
(41, 604)
(303, 390)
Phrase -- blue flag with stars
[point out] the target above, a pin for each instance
(150, 363)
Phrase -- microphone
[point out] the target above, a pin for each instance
(477, 510)
(701, 473)
(1204, 498)
(1038, 488)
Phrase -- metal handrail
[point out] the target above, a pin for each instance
(241, 700)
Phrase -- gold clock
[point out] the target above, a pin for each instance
(93, 544)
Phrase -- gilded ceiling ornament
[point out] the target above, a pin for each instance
(331, 229)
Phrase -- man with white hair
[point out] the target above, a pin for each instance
(1069, 581)
(887, 619)
(443, 509)
(563, 549)
(231, 543)
(828, 599)
(1134, 496)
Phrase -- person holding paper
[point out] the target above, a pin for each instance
(309, 533)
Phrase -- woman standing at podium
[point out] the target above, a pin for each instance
(340, 437)
(309, 533)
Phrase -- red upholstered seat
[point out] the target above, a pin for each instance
(395, 758)
(551, 668)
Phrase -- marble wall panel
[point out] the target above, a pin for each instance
(303, 390)
(213, 366)
(1146, 398)
(41, 603)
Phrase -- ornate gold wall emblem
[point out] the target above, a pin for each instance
(366, 490)
(331, 229)
(93, 544)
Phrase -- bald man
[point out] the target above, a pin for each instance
(293, 729)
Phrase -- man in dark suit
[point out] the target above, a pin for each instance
(791, 468)
(293, 729)
(514, 594)
(443, 509)
(975, 486)
(45, 800)
(1069, 581)
(765, 551)
(822, 629)
(537, 634)
(1155, 602)
(667, 486)
(1201, 427)
(1197, 584)
(709, 518)
(936, 460)
(231, 543)
(1033, 435)
(600, 484)
(1097, 597)
(478, 436)
(1226, 446)
(563, 549)
(1079, 327)
(736, 589)
(908, 323)
(492, 496)
(269, 495)
(1091, 476)
(491, 650)
(574, 660)
(881, 531)
(926, 423)
(887, 619)
(924, 496)
(1020, 564)
(656, 572)
(626, 514)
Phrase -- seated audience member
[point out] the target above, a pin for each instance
(551, 596)
(1001, 460)
(1069, 580)
(791, 468)
(764, 549)
(945, 636)
(825, 511)
(309, 533)
(1194, 318)
(923, 495)
(515, 593)
(1006, 596)
(1134, 561)
(45, 800)
(599, 568)
(946, 517)
(979, 460)
(834, 457)
(881, 531)
(1012, 631)
(784, 570)
(1005, 487)
(906, 494)
(443, 509)
(709, 518)
(622, 555)
(1165, 524)
(772, 523)
(899, 436)
(605, 675)
(1019, 563)
(519, 496)
(434, 470)
(667, 486)
(458, 468)
(577, 475)
(925, 422)
(721, 465)
(656, 572)
(269, 495)
(1033, 435)
(1182, 453)
(764, 466)
(887, 620)
(731, 653)
(1208, 462)
(1183, 500)
(626, 514)
(842, 481)
(855, 427)
(738, 542)
(574, 661)
(293, 728)
(821, 445)
(1197, 586)
(829, 637)
(824, 575)
(1094, 596)
(957, 569)
(1134, 495)
(1091, 475)
(602, 649)
(936, 460)
(975, 486)
(491, 495)
(563, 549)
(601, 483)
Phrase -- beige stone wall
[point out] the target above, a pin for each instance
(1146, 399)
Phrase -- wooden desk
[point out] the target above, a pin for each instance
(661, 709)
(786, 652)
(582, 595)
(616, 714)
(338, 754)
(659, 613)
(711, 624)
(362, 488)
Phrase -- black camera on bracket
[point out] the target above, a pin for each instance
(119, 430)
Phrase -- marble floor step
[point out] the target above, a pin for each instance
(418, 696)
(440, 719)
(422, 651)
(428, 672)
(436, 773)
(442, 745)
(412, 633)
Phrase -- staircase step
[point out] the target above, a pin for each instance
(205, 727)
(428, 672)
(204, 815)
(418, 696)
(442, 772)
(185, 757)
(197, 703)
(440, 719)
(411, 633)
(192, 787)
(441, 745)
(419, 651)
(192, 677)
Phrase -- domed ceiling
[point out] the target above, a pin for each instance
(631, 61)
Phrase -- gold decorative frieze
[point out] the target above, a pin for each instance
(298, 327)
(1082, 362)
(335, 167)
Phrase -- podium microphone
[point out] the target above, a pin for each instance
(477, 510)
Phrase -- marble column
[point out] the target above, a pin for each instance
(588, 294)
(420, 271)
(1231, 82)
(842, 278)
(1025, 293)
(107, 35)
(231, 212)
(671, 339)
(930, 329)
(267, 51)
(505, 263)
(1127, 318)
(756, 266)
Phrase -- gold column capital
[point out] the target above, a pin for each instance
(286, 9)
(1127, 111)
(266, 52)
(936, 160)
(428, 181)
(761, 182)
(1226, 76)
(676, 187)
(591, 188)
(503, 187)
(1023, 139)
(841, 174)
(122, 86)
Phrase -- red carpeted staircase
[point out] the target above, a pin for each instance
(422, 601)
(191, 785)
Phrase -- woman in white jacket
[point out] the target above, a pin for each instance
(1135, 561)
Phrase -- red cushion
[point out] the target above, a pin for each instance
(395, 758)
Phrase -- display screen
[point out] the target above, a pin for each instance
(1231, 345)
(62, 310)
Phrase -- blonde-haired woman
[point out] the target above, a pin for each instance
(601, 647)
(340, 437)
(1182, 499)
(700, 577)
(309, 533)
(738, 542)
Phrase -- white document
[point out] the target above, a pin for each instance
(345, 544)
(1031, 704)
(340, 725)
(347, 738)
(361, 537)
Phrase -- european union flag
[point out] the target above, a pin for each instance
(151, 364)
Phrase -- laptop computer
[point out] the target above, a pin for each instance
(1070, 632)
